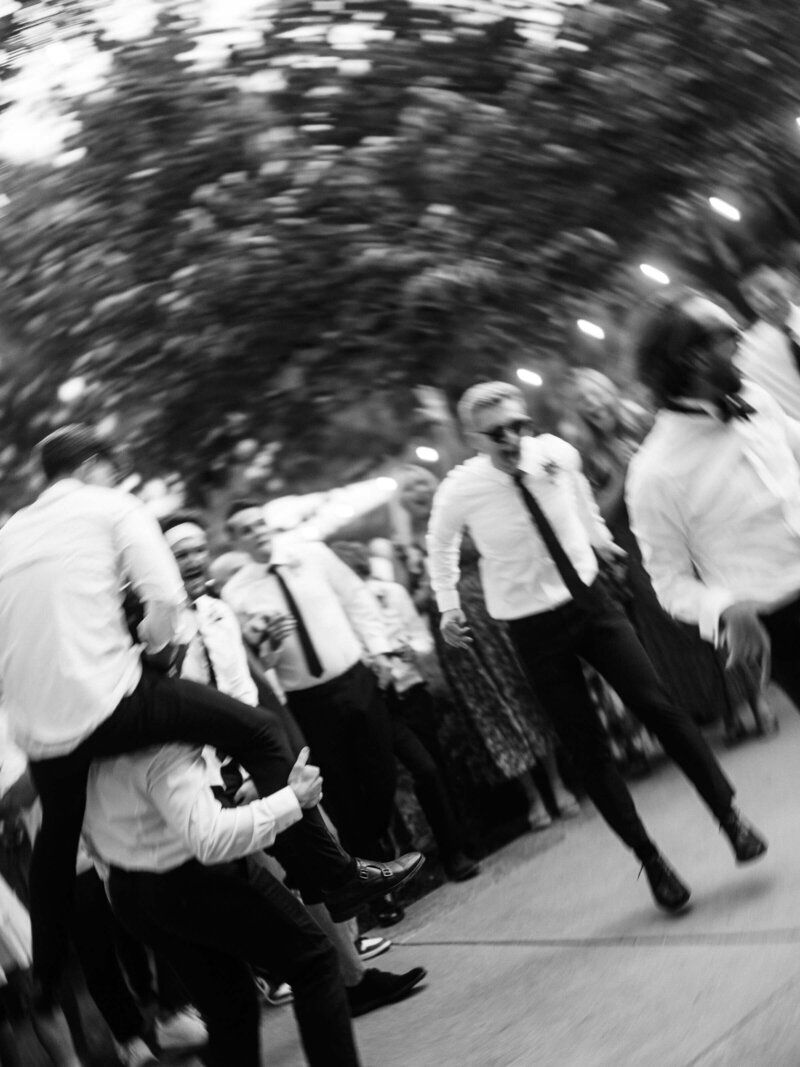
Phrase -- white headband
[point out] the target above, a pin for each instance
(184, 529)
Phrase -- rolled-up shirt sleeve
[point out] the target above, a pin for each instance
(445, 533)
(151, 569)
(655, 521)
(178, 786)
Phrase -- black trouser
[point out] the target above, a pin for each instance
(120, 976)
(210, 923)
(346, 724)
(549, 645)
(784, 631)
(417, 747)
(162, 710)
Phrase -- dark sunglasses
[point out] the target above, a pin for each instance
(498, 433)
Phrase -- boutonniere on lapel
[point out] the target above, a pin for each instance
(550, 469)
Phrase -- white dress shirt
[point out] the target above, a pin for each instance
(716, 509)
(404, 627)
(210, 629)
(154, 811)
(765, 358)
(340, 615)
(66, 657)
(213, 638)
(518, 573)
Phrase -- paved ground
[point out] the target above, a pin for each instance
(556, 957)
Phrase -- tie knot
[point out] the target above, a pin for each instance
(518, 475)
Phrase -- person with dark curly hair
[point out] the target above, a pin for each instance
(714, 492)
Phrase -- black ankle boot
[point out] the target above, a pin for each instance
(745, 840)
(669, 892)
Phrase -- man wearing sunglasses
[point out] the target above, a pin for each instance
(714, 492)
(530, 511)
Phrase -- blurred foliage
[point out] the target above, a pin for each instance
(254, 264)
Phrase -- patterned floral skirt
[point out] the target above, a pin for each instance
(492, 723)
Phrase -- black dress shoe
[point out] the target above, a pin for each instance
(377, 988)
(669, 892)
(459, 867)
(747, 843)
(369, 881)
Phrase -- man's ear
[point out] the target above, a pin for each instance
(475, 440)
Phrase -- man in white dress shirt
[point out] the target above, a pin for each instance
(73, 681)
(170, 848)
(769, 353)
(215, 655)
(714, 492)
(531, 514)
(319, 663)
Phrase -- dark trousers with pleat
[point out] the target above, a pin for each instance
(550, 646)
(213, 924)
(159, 711)
(346, 724)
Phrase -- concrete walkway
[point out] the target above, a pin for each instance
(556, 956)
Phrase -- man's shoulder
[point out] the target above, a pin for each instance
(244, 578)
(761, 399)
(213, 609)
(654, 465)
(548, 448)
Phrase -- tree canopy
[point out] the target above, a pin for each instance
(272, 251)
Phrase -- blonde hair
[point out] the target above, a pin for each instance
(485, 395)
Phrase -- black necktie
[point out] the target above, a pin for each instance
(730, 406)
(581, 593)
(794, 346)
(310, 653)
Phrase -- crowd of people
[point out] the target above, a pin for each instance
(204, 751)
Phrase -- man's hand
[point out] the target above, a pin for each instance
(279, 627)
(454, 628)
(305, 781)
(382, 666)
(19, 796)
(611, 553)
(747, 640)
(246, 793)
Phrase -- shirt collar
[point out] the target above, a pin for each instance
(62, 487)
(531, 462)
(701, 407)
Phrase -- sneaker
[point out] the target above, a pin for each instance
(669, 892)
(747, 843)
(134, 1053)
(370, 947)
(377, 988)
(184, 1029)
(274, 993)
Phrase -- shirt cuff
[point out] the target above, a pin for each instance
(714, 602)
(284, 808)
(448, 601)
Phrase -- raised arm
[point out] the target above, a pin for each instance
(150, 567)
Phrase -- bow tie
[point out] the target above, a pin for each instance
(730, 406)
